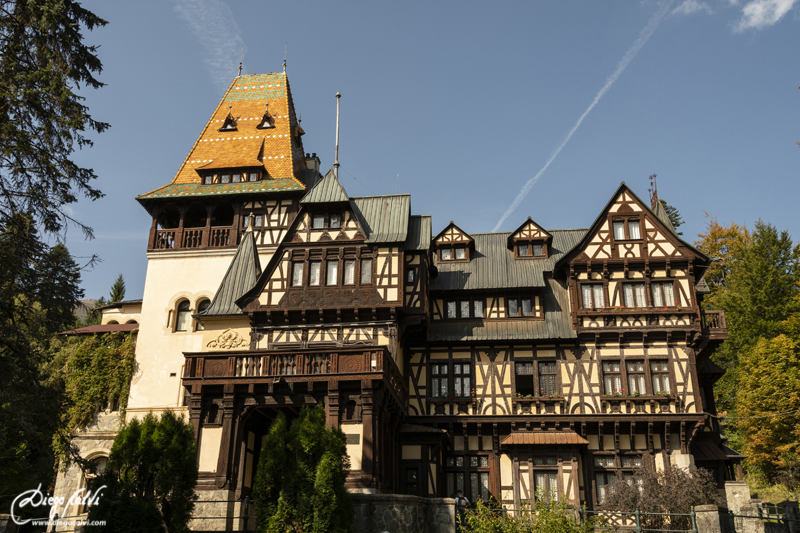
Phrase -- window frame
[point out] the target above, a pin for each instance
(453, 250)
(633, 285)
(519, 298)
(658, 285)
(531, 244)
(178, 312)
(467, 469)
(593, 284)
(626, 221)
(459, 308)
(198, 326)
(451, 377)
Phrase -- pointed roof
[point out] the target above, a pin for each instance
(240, 277)
(419, 232)
(452, 226)
(328, 189)
(383, 218)
(278, 150)
(661, 214)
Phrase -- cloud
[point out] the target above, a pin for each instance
(688, 7)
(759, 14)
(644, 35)
(213, 24)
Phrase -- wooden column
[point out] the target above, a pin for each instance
(207, 229)
(367, 449)
(179, 231)
(332, 405)
(226, 444)
(151, 241)
(195, 411)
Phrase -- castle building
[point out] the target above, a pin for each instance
(536, 363)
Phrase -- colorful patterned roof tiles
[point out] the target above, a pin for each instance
(277, 149)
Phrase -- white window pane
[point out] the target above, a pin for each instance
(641, 301)
(619, 231)
(336, 220)
(184, 321)
(366, 271)
(537, 249)
(447, 254)
(478, 306)
(253, 176)
(237, 178)
(461, 253)
(208, 180)
(465, 309)
(297, 275)
(656, 294)
(225, 178)
(332, 274)
(633, 229)
(318, 221)
(597, 295)
(586, 293)
(410, 276)
(314, 271)
(451, 309)
(523, 250)
(627, 291)
(669, 295)
(349, 272)
(526, 307)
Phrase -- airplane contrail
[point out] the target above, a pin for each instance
(644, 35)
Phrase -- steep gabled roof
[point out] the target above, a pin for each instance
(383, 218)
(419, 232)
(326, 190)
(602, 217)
(543, 233)
(661, 214)
(449, 232)
(240, 277)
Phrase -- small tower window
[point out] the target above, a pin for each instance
(184, 318)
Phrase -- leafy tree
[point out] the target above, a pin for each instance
(43, 61)
(671, 490)
(769, 383)
(117, 291)
(673, 214)
(300, 478)
(150, 478)
(719, 243)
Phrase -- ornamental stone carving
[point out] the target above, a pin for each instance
(227, 340)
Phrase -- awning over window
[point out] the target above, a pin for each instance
(543, 438)
(704, 450)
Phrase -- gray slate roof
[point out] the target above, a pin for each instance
(557, 323)
(661, 214)
(328, 189)
(419, 232)
(240, 278)
(383, 218)
(493, 265)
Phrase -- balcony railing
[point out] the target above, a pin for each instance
(713, 324)
(214, 369)
(192, 238)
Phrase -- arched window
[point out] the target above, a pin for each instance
(111, 322)
(183, 322)
(91, 479)
(131, 322)
(202, 306)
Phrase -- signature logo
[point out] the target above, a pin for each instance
(58, 504)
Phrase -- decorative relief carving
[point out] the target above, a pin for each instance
(326, 298)
(215, 368)
(349, 365)
(227, 340)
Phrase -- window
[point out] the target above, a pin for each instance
(634, 295)
(593, 296)
(336, 220)
(225, 178)
(524, 379)
(477, 306)
(318, 221)
(349, 272)
(464, 304)
(411, 481)
(314, 273)
(547, 379)
(332, 273)
(474, 468)
(184, 319)
(297, 274)
(208, 180)
(626, 229)
(523, 250)
(461, 253)
(452, 309)
(366, 271)
(461, 379)
(663, 294)
(612, 378)
(237, 178)
(545, 480)
(446, 254)
(513, 307)
(529, 250)
(254, 176)
(636, 377)
(604, 482)
(659, 371)
(202, 306)
(537, 249)
(410, 275)
(439, 380)
(520, 307)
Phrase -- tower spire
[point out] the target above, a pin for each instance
(336, 158)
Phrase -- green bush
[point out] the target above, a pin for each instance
(540, 517)
(300, 478)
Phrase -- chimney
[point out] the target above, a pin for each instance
(312, 162)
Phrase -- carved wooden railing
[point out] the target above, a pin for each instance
(192, 238)
(713, 320)
(266, 367)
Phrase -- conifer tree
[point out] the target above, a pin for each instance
(117, 291)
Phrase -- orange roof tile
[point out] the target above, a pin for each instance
(272, 148)
(543, 438)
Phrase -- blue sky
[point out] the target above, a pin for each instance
(465, 102)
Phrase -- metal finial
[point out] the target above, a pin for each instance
(252, 221)
(285, 49)
(336, 159)
(241, 58)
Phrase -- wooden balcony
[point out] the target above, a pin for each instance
(192, 238)
(713, 324)
(256, 368)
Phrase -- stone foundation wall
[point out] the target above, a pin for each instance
(395, 513)
(214, 511)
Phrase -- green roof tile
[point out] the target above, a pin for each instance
(178, 190)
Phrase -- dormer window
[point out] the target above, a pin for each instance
(453, 244)
(230, 122)
(461, 253)
(336, 220)
(529, 241)
(267, 121)
(527, 249)
(626, 229)
(322, 221)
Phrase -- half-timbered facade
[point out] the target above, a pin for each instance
(536, 363)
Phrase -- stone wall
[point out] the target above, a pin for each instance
(395, 513)
(215, 511)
